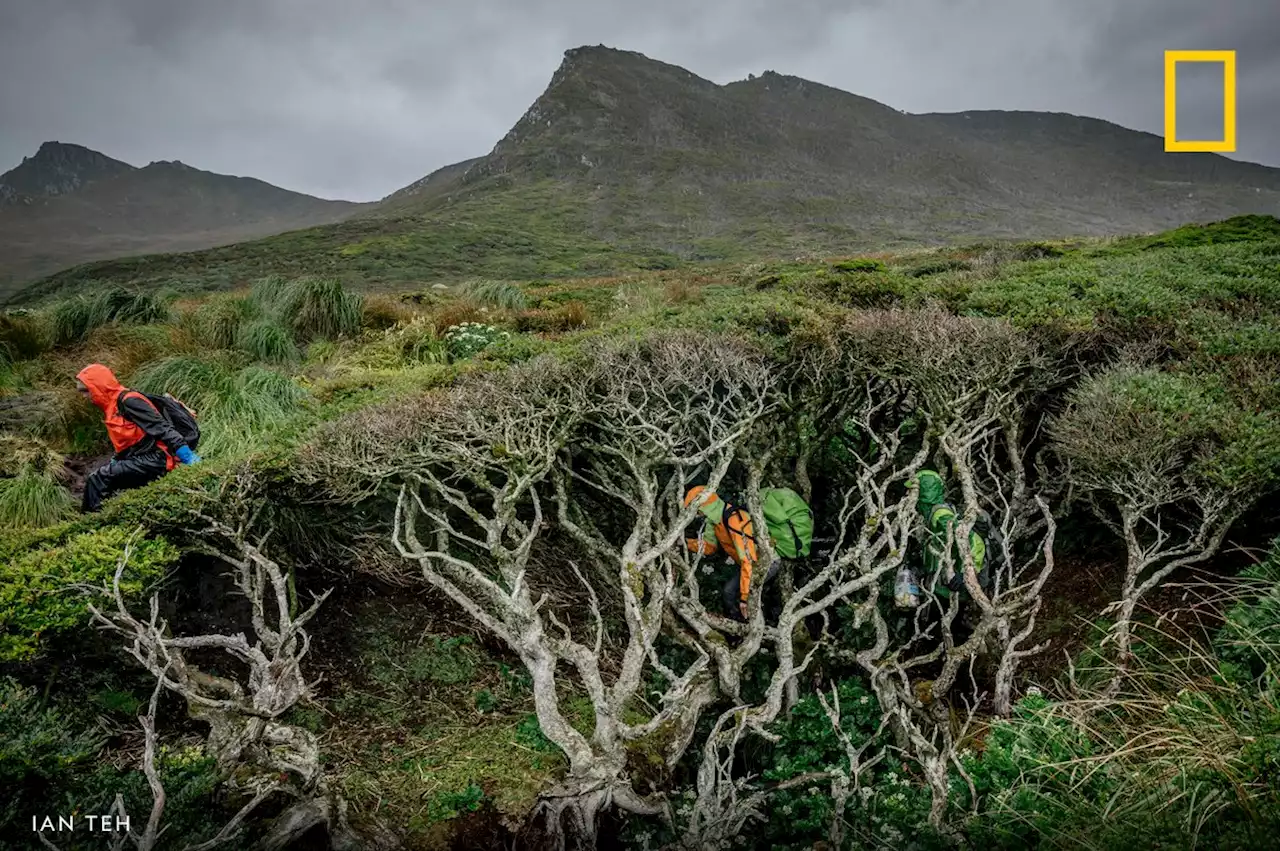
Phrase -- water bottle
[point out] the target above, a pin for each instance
(906, 589)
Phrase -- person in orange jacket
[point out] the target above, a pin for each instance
(147, 446)
(732, 534)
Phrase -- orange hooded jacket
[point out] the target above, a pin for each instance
(734, 535)
(104, 391)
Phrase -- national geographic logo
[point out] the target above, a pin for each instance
(1228, 141)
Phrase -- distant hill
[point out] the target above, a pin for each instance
(625, 161)
(56, 169)
(68, 205)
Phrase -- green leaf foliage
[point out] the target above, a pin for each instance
(44, 591)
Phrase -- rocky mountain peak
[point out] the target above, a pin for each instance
(58, 168)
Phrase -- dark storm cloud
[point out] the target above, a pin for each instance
(355, 99)
(1130, 50)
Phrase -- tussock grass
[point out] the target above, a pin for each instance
(411, 344)
(381, 312)
(23, 335)
(457, 313)
(267, 293)
(10, 381)
(218, 322)
(33, 499)
(60, 416)
(238, 408)
(502, 294)
(124, 348)
(71, 321)
(268, 341)
(319, 309)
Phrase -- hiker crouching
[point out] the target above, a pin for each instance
(150, 435)
(727, 528)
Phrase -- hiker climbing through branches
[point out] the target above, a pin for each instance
(727, 528)
(150, 434)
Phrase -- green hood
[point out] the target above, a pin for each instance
(932, 491)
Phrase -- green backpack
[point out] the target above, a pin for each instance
(790, 522)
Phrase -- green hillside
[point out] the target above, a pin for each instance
(488, 478)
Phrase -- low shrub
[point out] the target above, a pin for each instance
(859, 264)
(938, 267)
(53, 760)
(867, 290)
(43, 591)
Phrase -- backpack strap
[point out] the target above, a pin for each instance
(125, 392)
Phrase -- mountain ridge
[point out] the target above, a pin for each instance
(56, 168)
(629, 162)
(70, 204)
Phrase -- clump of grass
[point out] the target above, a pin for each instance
(23, 335)
(382, 312)
(218, 322)
(268, 341)
(457, 313)
(502, 294)
(319, 309)
(123, 348)
(9, 378)
(321, 351)
(568, 317)
(635, 297)
(60, 416)
(267, 293)
(136, 308)
(33, 499)
(412, 343)
(238, 408)
(20, 455)
(71, 321)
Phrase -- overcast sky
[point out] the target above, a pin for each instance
(357, 98)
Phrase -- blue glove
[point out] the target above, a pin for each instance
(186, 456)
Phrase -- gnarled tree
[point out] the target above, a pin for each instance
(258, 755)
(614, 441)
(1169, 464)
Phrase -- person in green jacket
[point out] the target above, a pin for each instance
(940, 520)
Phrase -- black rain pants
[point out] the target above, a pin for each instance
(118, 475)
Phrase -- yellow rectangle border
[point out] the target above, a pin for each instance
(1171, 60)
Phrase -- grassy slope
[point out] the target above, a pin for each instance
(162, 207)
(448, 730)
